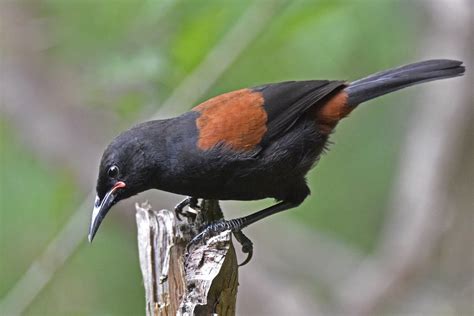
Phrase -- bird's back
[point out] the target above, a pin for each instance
(251, 143)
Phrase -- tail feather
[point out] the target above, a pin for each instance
(398, 78)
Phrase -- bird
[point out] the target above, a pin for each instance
(248, 144)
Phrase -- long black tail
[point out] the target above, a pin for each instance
(398, 78)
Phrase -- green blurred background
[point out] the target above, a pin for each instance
(85, 70)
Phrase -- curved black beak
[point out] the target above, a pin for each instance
(101, 208)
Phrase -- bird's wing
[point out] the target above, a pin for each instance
(286, 102)
(249, 119)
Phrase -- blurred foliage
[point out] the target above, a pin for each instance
(129, 55)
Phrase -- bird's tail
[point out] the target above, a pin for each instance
(398, 78)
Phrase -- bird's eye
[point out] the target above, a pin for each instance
(113, 172)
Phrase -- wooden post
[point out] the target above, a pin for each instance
(202, 282)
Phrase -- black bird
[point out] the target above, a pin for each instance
(248, 144)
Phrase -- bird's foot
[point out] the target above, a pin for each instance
(190, 201)
(217, 227)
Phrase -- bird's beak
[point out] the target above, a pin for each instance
(102, 207)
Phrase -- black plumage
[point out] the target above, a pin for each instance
(245, 145)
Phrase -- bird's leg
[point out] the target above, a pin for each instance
(190, 201)
(247, 246)
(237, 224)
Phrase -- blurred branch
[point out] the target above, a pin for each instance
(42, 270)
(254, 20)
(421, 204)
(67, 241)
(201, 282)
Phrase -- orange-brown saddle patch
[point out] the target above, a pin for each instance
(236, 119)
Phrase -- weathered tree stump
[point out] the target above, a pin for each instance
(201, 282)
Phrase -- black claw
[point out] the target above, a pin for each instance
(179, 208)
(247, 260)
(247, 246)
(196, 239)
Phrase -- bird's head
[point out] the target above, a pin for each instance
(125, 170)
